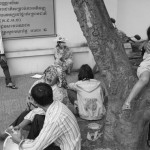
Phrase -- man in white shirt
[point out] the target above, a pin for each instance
(60, 125)
(4, 66)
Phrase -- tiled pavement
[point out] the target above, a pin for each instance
(12, 101)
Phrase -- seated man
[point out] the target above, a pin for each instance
(58, 126)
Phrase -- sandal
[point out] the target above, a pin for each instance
(126, 106)
(12, 86)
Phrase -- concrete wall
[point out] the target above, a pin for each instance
(33, 55)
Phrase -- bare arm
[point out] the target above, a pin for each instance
(24, 123)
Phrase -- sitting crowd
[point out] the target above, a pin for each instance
(52, 105)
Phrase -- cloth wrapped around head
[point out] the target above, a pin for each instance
(55, 72)
(61, 39)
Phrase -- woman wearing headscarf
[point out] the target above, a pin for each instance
(63, 55)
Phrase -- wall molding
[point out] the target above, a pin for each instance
(42, 52)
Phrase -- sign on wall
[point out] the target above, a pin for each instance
(27, 18)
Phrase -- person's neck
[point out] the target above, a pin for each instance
(45, 107)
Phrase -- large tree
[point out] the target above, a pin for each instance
(122, 128)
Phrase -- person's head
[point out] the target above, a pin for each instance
(148, 33)
(54, 74)
(85, 72)
(61, 42)
(51, 75)
(42, 94)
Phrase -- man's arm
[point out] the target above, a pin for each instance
(49, 133)
(30, 116)
(24, 123)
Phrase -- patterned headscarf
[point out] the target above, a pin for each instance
(54, 71)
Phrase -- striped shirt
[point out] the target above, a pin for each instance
(60, 126)
(59, 94)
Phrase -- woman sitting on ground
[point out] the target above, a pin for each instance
(63, 55)
(88, 95)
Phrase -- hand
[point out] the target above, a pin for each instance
(54, 81)
(9, 130)
(16, 137)
(17, 128)
(3, 58)
(59, 62)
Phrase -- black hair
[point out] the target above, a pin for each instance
(58, 44)
(85, 72)
(148, 33)
(42, 94)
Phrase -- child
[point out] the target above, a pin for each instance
(90, 95)
(143, 73)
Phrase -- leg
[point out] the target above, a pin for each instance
(144, 120)
(143, 127)
(69, 63)
(148, 136)
(3, 136)
(95, 69)
(72, 95)
(143, 80)
(20, 118)
(36, 126)
(7, 74)
(35, 129)
(6, 71)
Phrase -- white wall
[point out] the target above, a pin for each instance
(33, 55)
(66, 23)
(112, 6)
(133, 16)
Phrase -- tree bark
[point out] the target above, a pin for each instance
(122, 128)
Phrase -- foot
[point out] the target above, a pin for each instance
(126, 106)
(11, 85)
(3, 136)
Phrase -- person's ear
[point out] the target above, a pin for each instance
(35, 103)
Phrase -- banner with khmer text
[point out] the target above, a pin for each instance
(27, 18)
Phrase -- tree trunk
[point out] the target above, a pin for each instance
(122, 130)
